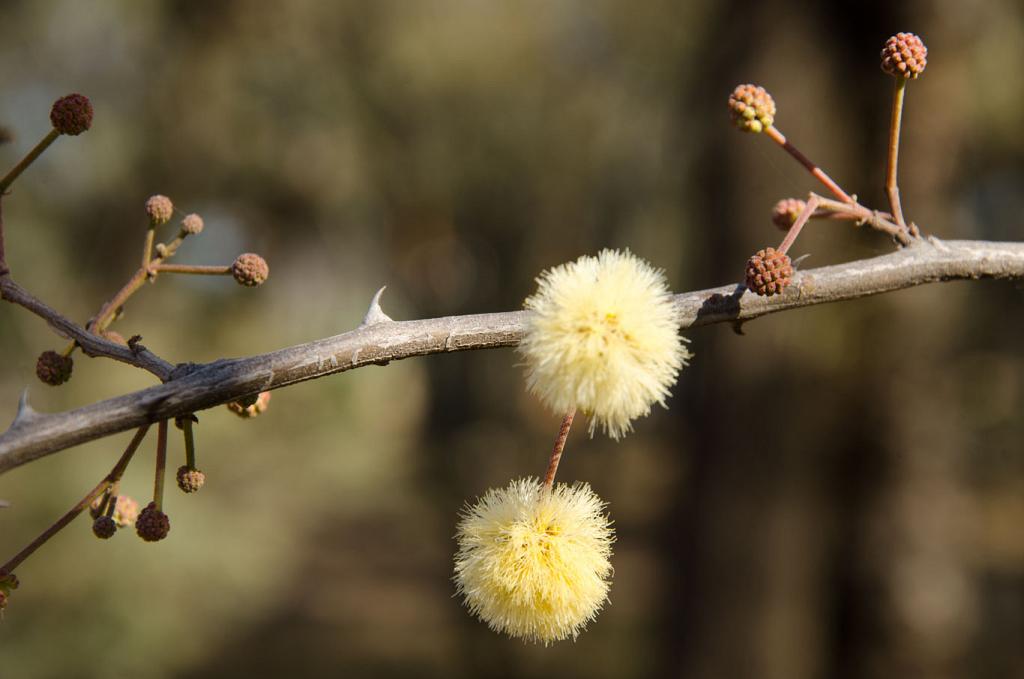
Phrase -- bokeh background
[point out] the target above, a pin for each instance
(839, 492)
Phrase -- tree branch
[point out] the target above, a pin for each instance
(196, 387)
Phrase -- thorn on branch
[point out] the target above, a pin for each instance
(375, 314)
(26, 413)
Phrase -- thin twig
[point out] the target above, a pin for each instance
(29, 158)
(196, 388)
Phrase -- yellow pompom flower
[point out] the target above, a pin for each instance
(533, 562)
(603, 339)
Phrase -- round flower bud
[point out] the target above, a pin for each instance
(251, 407)
(603, 338)
(534, 563)
(190, 480)
(53, 368)
(71, 114)
(769, 272)
(786, 211)
(250, 270)
(904, 56)
(152, 524)
(126, 510)
(751, 107)
(192, 224)
(160, 209)
(104, 527)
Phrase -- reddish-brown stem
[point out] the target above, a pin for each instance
(818, 173)
(161, 464)
(110, 479)
(895, 121)
(556, 452)
(192, 269)
(29, 158)
(794, 231)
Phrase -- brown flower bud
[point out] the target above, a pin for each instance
(192, 224)
(904, 56)
(152, 524)
(190, 480)
(71, 114)
(160, 209)
(250, 270)
(53, 368)
(751, 107)
(769, 272)
(104, 527)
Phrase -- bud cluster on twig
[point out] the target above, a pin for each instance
(111, 510)
(753, 109)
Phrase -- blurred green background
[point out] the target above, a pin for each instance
(837, 493)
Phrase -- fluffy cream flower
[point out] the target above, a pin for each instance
(603, 339)
(533, 563)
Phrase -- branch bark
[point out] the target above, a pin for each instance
(191, 388)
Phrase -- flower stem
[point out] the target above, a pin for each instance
(29, 158)
(891, 188)
(556, 453)
(198, 269)
(818, 173)
(108, 480)
(147, 247)
(190, 442)
(794, 231)
(161, 464)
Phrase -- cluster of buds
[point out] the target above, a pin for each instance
(123, 513)
(752, 109)
(71, 116)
